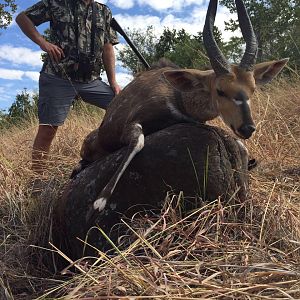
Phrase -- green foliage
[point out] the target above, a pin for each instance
(23, 108)
(47, 37)
(145, 43)
(3, 117)
(166, 43)
(277, 26)
(183, 49)
(180, 47)
(234, 49)
(7, 8)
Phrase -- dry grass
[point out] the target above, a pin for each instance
(227, 250)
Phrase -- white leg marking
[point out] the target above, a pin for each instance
(241, 144)
(139, 146)
(100, 204)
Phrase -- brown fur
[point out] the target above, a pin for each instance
(163, 63)
(145, 100)
(162, 97)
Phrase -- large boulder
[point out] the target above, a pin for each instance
(199, 160)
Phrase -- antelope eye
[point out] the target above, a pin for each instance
(221, 93)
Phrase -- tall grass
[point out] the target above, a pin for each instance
(229, 250)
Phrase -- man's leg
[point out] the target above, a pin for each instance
(97, 93)
(41, 147)
(55, 99)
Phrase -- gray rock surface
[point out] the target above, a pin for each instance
(196, 159)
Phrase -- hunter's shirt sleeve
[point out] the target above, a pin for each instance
(38, 13)
(111, 35)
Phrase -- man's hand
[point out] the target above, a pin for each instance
(27, 26)
(55, 52)
(116, 88)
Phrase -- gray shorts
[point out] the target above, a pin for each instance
(56, 96)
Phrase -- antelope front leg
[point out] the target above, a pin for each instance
(91, 150)
(133, 135)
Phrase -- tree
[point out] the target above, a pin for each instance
(145, 43)
(167, 42)
(277, 27)
(3, 117)
(6, 10)
(187, 51)
(23, 108)
(179, 46)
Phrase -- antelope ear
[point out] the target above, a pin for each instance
(187, 79)
(265, 72)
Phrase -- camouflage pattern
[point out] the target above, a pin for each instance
(62, 33)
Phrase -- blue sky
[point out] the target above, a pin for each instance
(20, 58)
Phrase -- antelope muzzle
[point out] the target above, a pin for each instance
(246, 130)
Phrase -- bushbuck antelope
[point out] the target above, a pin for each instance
(164, 96)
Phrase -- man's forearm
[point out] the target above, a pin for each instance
(29, 29)
(109, 62)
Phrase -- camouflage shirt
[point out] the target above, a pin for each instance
(62, 33)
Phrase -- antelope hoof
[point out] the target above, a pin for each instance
(252, 163)
(80, 167)
(100, 204)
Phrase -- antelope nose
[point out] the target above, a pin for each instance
(246, 130)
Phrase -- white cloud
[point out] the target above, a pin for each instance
(139, 21)
(193, 23)
(13, 22)
(123, 4)
(161, 5)
(31, 92)
(10, 90)
(197, 2)
(5, 96)
(158, 5)
(32, 75)
(11, 74)
(177, 5)
(123, 78)
(102, 1)
(20, 56)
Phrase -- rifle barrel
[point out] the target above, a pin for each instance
(116, 26)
